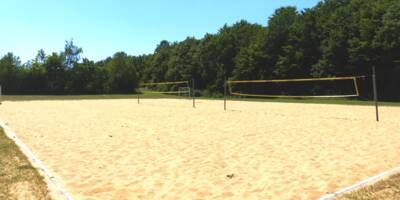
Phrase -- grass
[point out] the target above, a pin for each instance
(157, 96)
(18, 179)
(385, 189)
(84, 97)
(338, 101)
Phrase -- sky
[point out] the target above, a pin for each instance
(104, 27)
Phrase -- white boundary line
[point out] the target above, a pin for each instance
(35, 161)
(366, 182)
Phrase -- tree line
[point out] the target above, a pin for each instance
(334, 38)
(67, 73)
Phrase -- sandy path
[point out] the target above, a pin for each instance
(164, 149)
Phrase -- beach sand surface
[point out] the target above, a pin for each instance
(165, 149)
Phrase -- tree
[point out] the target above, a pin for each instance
(122, 74)
(252, 63)
(40, 57)
(155, 72)
(55, 73)
(141, 64)
(184, 63)
(72, 53)
(35, 80)
(10, 73)
(387, 43)
(219, 52)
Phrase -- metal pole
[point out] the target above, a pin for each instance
(375, 92)
(193, 94)
(188, 87)
(225, 93)
(138, 100)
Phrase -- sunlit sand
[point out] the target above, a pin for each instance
(165, 149)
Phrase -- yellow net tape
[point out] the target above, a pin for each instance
(294, 80)
(354, 78)
(291, 96)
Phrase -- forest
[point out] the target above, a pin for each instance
(333, 39)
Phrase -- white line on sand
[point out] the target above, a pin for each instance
(368, 181)
(35, 161)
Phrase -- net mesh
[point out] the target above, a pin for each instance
(177, 87)
(335, 87)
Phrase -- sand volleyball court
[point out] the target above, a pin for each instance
(165, 149)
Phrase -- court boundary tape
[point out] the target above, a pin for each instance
(38, 164)
(363, 183)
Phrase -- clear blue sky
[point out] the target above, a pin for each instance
(103, 27)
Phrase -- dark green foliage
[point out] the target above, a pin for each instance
(122, 74)
(56, 73)
(87, 78)
(62, 73)
(10, 73)
(335, 38)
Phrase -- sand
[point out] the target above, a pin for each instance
(165, 149)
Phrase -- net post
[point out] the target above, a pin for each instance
(193, 94)
(375, 92)
(188, 87)
(356, 86)
(225, 93)
(138, 99)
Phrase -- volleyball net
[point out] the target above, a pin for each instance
(332, 87)
(180, 88)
